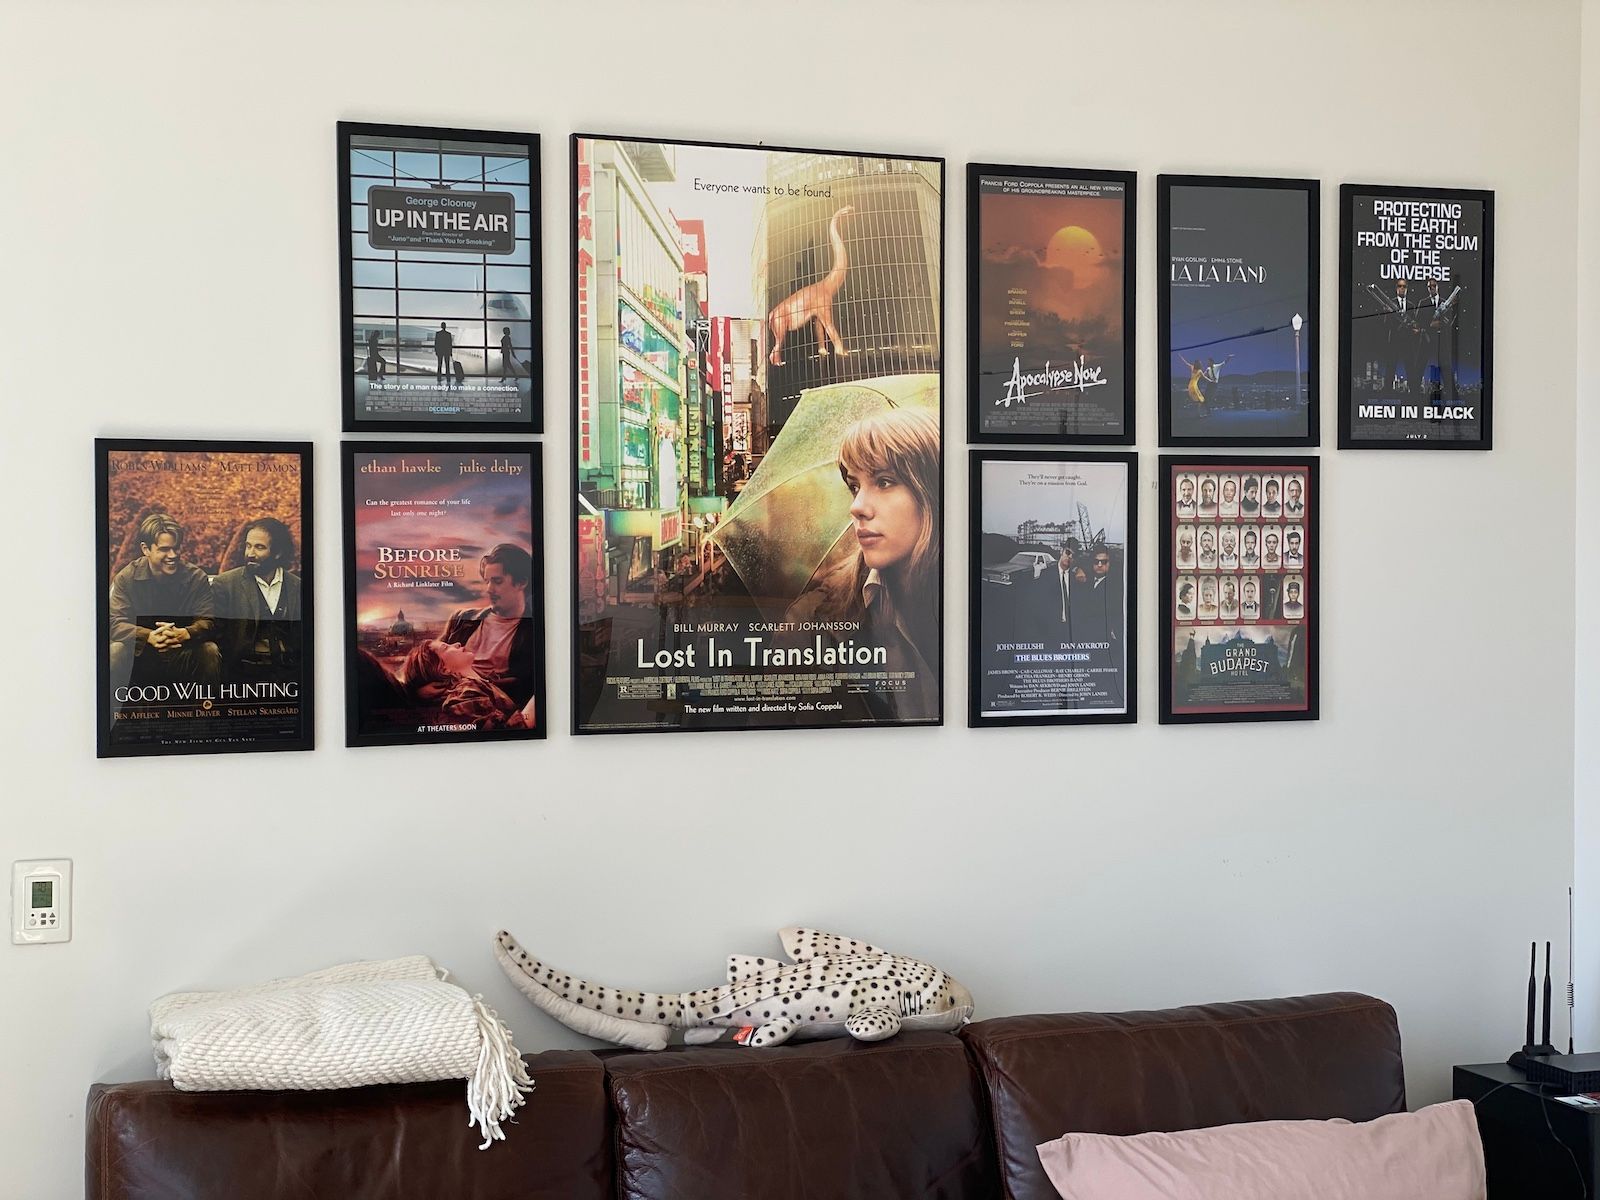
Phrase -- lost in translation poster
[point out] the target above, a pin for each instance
(757, 437)
(203, 644)
(439, 273)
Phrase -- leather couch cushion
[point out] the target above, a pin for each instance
(829, 1119)
(149, 1141)
(1305, 1058)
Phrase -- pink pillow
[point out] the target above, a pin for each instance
(1433, 1154)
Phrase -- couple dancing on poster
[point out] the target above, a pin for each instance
(1203, 374)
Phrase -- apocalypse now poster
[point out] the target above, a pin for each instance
(444, 592)
(1051, 303)
(203, 644)
(759, 469)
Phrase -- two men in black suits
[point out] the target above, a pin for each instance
(1078, 600)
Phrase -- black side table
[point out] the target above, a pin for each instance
(1523, 1158)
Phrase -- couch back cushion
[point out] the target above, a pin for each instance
(899, 1118)
(1304, 1058)
(148, 1141)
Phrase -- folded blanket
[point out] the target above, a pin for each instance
(348, 1026)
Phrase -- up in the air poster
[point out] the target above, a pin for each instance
(757, 437)
(439, 231)
(204, 564)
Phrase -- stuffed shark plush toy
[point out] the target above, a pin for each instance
(834, 986)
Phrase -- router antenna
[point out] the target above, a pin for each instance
(1544, 1042)
(1533, 991)
(1571, 977)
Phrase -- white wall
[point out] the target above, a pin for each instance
(169, 184)
(1586, 712)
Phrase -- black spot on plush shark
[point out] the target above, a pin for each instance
(834, 986)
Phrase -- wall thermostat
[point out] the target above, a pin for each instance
(41, 901)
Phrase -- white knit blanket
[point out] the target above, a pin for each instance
(362, 1023)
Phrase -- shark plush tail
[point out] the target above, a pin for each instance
(639, 1020)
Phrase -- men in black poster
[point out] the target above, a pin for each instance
(1416, 310)
(258, 607)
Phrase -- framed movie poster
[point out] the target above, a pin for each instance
(1240, 553)
(1416, 318)
(1054, 562)
(444, 592)
(757, 437)
(1050, 305)
(1237, 319)
(439, 280)
(203, 573)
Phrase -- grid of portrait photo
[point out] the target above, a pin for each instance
(1240, 547)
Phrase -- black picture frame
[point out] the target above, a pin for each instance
(1173, 465)
(976, 638)
(230, 742)
(1310, 351)
(1129, 181)
(1418, 438)
(356, 671)
(353, 422)
(578, 726)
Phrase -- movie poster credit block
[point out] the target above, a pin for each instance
(439, 273)
(204, 578)
(1054, 561)
(1237, 310)
(1416, 318)
(444, 592)
(1050, 305)
(1240, 566)
(757, 416)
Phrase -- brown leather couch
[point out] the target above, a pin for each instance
(923, 1114)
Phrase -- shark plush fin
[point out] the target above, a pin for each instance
(802, 945)
(743, 967)
(873, 1024)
